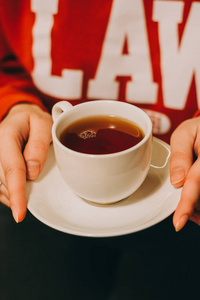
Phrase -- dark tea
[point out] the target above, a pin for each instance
(101, 135)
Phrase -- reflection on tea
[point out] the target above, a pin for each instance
(101, 135)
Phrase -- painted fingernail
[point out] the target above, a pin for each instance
(15, 214)
(178, 177)
(33, 169)
(181, 223)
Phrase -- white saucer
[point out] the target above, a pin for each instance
(52, 202)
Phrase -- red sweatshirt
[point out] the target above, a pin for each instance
(143, 52)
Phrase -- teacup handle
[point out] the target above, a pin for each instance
(164, 163)
(59, 108)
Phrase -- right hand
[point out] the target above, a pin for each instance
(184, 171)
(25, 136)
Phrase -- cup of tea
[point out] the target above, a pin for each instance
(102, 148)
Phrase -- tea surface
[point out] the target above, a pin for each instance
(101, 135)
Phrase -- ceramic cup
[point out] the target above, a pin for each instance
(106, 178)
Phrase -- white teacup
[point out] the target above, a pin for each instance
(105, 178)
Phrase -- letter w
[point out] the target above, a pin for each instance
(179, 61)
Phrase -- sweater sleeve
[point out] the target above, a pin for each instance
(16, 85)
(197, 113)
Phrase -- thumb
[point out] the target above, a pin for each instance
(33, 169)
(36, 149)
(35, 154)
(181, 158)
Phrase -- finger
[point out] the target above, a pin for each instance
(3, 187)
(4, 196)
(189, 198)
(4, 200)
(4, 191)
(36, 149)
(15, 177)
(181, 155)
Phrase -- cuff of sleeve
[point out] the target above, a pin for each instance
(197, 113)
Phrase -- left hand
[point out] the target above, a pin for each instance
(184, 171)
(25, 135)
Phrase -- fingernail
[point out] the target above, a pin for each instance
(178, 177)
(181, 223)
(33, 169)
(15, 214)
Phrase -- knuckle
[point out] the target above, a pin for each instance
(194, 179)
(182, 130)
(42, 117)
(10, 171)
(178, 159)
(13, 178)
(35, 149)
(6, 130)
(37, 145)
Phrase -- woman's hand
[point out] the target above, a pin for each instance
(25, 136)
(185, 171)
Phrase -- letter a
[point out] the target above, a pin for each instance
(127, 23)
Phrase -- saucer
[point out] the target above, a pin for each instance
(52, 202)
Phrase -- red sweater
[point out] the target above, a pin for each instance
(144, 52)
